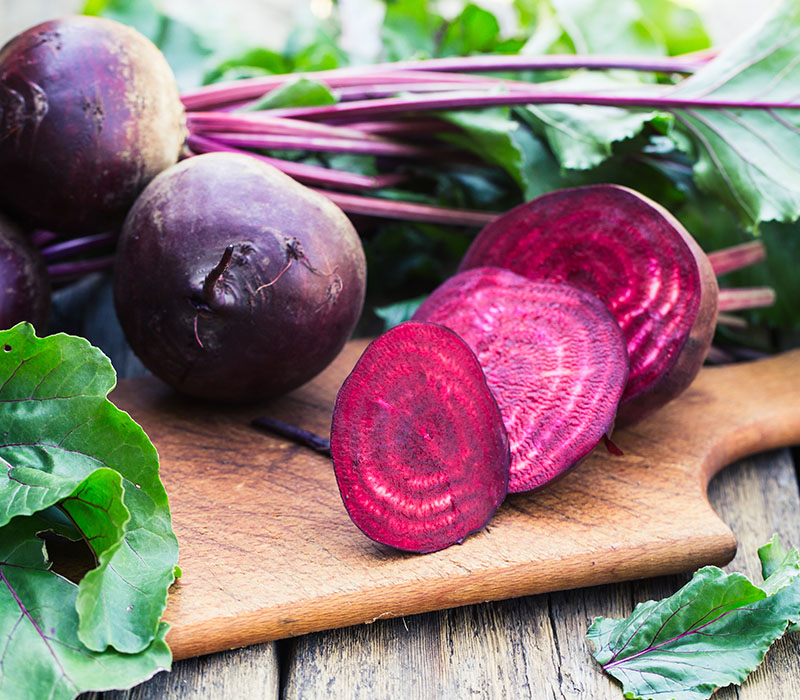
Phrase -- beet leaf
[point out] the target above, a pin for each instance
(750, 157)
(64, 443)
(713, 632)
(43, 656)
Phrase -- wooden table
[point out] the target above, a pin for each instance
(531, 647)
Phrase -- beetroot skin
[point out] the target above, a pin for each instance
(418, 444)
(554, 358)
(233, 281)
(637, 258)
(24, 284)
(89, 114)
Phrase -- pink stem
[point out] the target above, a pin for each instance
(307, 173)
(221, 93)
(321, 143)
(731, 321)
(70, 270)
(745, 298)
(361, 109)
(76, 246)
(262, 123)
(408, 211)
(737, 257)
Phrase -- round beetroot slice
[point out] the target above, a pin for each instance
(632, 254)
(554, 358)
(418, 444)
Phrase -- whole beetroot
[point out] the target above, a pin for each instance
(89, 114)
(234, 282)
(24, 285)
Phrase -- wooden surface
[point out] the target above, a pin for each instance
(268, 551)
(530, 648)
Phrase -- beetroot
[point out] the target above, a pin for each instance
(418, 444)
(631, 253)
(233, 281)
(89, 114)
(24, 285)
(554, 358)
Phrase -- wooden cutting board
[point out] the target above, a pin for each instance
(268, 551)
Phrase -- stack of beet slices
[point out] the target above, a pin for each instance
(572, 310)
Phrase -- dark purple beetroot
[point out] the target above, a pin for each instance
(89, 114)
(24, 285)
(554, 358)
(418, 443)
(636, 257)
(233, 281)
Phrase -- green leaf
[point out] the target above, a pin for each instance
(582, 136)
(608, 26)
(60, 437)
(410, 29)
(680, 26)
(298, 92)
(250, 64)
(498, 138)
(43, 656)
(474, 30)
(775, 560)
(713, 632)
(398, 313)
(751, 157)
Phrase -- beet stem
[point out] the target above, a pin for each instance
(731, 321)
(295, 434)
(221, 93)
(70, 270)
(736, 257)
(745, 298)
(409, 211)
(77, 246)
(301, 171)
(210, 282)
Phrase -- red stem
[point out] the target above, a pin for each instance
(745, 298)
(221, 93)
(736, 257)
(307, 173)
(408, 211)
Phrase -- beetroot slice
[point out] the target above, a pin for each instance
(632, 254)
(554, 358)
(418, 444)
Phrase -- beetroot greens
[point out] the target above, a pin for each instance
(233, 281)
(630, 252)
(418, 444)
(554, 358)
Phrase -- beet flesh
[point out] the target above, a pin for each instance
(259, 323)
(24, 284)
(418, 444)
(637, 258)
(554, 358)
(89, 114)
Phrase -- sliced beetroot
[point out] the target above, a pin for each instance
(637, 258)
(553, 355)
(418, 444)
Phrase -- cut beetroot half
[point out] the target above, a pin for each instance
(418, 444)
(637, 258)
(553, 355)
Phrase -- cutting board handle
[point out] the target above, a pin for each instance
(736, 410)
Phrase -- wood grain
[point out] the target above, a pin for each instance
(535, 647)
(268, 551)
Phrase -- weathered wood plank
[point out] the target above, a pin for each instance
(251, 673)
(535, 647)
